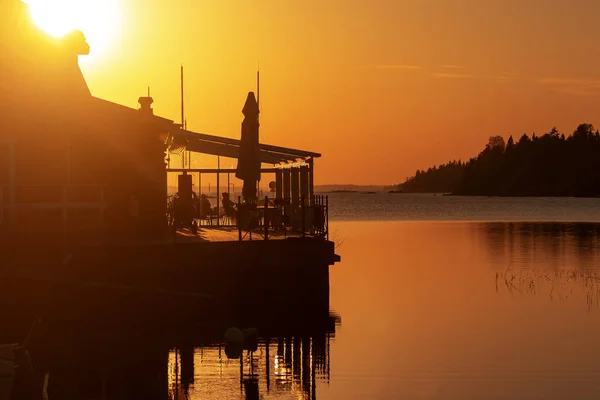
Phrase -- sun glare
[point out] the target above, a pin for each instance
(99, 20)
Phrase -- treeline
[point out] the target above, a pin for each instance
(549, 165)
(438, 179)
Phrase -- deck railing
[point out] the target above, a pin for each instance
(306, 217)
(44, 207)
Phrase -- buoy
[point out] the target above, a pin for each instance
(234, 336)
(250, 339)
(233, 351)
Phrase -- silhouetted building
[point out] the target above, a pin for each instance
(78, 160)
(76, 168)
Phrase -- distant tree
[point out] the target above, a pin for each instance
(583, 131)
(496, 143)
(510, 144)
(553, 132)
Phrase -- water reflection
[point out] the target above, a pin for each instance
(542, 244)
(113, 363)
(279, 367)
(429, 323)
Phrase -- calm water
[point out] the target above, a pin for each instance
(411, 207)
(449, 307)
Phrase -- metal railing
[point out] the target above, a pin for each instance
(31, 200)
(285, 217)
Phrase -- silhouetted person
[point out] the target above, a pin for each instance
(205, 206)
(228, 205)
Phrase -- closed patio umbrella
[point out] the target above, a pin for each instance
(248, 167)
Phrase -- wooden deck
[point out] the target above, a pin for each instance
(225, 234)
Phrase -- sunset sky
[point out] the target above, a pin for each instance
(380, 87)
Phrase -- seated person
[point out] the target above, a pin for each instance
(228, 205)
(205, 206)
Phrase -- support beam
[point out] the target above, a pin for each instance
(304, 184)
(287, 183)
(279, 184)
(295, 188)
(311, 180)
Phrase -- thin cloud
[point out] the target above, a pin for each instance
(399, 67)
(448, 75)
(501, 78)
(572, 86)
(451, 76)
(579, 92)
(569, 82)
(450, 66)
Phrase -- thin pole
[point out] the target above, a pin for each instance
(182, 118)
(218, 182)
(182, 105)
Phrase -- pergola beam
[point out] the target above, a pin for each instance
(227, 147)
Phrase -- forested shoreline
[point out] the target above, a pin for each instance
(552, 164)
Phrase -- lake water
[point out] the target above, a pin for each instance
(439, 298)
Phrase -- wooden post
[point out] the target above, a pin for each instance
(239, 221)
(305, 197)
(303, 211)
(287, 177)
(295, 187)
(279, 184)
(268, 363)
(311, 180)
(327, 215)
(304, 184)
(266, 218)
(218, 191)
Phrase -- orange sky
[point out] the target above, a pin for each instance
(380, 87)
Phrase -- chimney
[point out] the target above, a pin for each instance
(146, 105)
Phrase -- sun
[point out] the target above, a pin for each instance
(99, 20)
